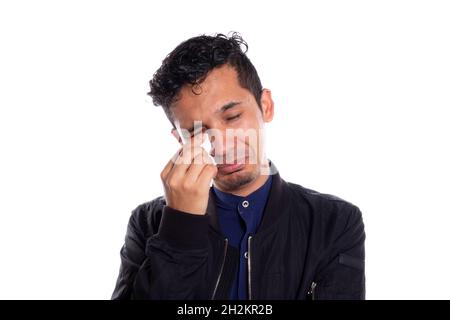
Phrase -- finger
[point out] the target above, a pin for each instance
(183, 163)
(168, 167)
(208, 173)
(198, 163)
(187, 154)
(177, 136)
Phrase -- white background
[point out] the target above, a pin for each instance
(361, 92)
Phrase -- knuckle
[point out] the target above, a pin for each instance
(194, 191)
(186, 185)
(164, 174)
(172, 184)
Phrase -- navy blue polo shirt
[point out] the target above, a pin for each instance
(239, 217)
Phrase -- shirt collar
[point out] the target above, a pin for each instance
(231, 201)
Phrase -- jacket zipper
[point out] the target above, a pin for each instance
(221, 269)
(249, 266)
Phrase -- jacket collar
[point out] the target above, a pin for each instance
(276, 200)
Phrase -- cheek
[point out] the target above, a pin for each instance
(249, 143)
(250, 121)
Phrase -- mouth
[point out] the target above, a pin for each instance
(231, 168)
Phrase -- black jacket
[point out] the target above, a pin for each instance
(309, 246)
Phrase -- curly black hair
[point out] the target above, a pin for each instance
(192, 60)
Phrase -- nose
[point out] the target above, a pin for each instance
(227, 148)
(218, 147)
(217, 139)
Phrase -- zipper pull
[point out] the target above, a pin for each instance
(312, 291)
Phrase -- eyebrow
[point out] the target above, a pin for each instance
(227, 106)
(222, 109)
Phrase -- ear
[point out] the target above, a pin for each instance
(176, 135)
(267, 105)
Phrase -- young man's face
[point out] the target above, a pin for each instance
(232, 116)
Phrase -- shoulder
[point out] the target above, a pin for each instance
(323, 209)
(331, 223)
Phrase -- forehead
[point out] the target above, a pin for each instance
(219, 87)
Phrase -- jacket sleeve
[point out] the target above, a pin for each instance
(170, 264)
(343, 277)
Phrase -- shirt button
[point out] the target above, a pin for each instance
(246, 255)
(245, 203)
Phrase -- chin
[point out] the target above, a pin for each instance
(237, 179)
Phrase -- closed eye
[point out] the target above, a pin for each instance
(234, 117)
(197, 132)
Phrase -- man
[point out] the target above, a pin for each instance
(249, 235)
